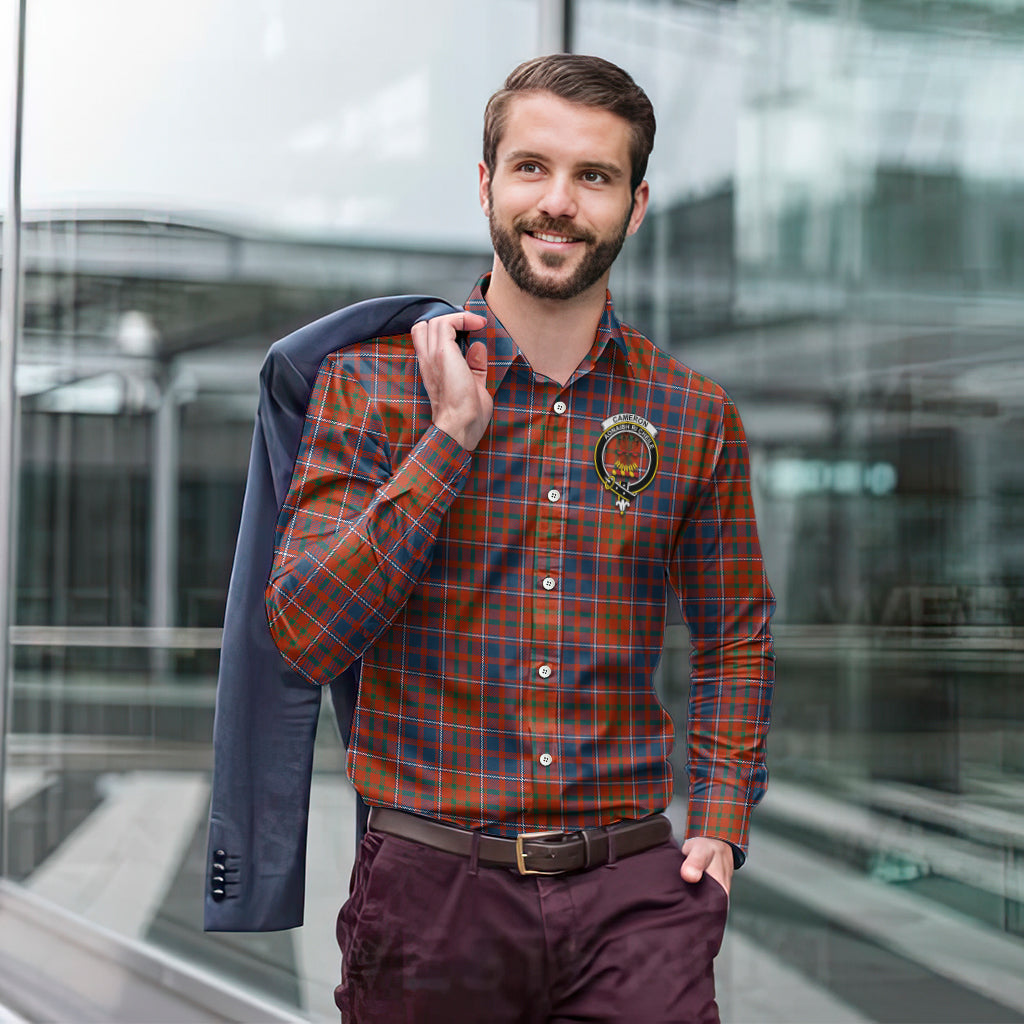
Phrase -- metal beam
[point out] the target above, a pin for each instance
(163, 549)
(10, 318)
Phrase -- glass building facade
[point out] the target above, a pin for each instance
(836, 235)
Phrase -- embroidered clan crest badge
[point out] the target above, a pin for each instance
(626, 456)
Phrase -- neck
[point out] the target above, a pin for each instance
(553, 335)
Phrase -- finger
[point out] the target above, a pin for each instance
(469, 321)
(477, 357)
(434, 340)
(443, 330)
(448, 324)
(419, 337)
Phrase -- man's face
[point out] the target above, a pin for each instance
(559, 203)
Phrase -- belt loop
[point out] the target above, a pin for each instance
(586, 848)
(474, 853)
(611, 847)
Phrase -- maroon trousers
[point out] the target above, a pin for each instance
(431, 938)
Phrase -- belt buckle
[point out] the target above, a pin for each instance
(521, 855)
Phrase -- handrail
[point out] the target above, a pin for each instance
(53, 963)
(167, 637)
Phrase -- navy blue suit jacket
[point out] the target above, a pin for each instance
(266, 714)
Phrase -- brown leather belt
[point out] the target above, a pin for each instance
(530, 853)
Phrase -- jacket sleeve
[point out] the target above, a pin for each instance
(727, 604)
(355, 533)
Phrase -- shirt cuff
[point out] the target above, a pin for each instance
(723, 814)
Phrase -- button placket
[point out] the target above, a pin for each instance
(548, 553)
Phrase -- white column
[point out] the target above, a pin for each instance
(552, 26)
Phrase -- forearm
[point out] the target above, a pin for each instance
(727, 604)
(730, 700)
(333, 597)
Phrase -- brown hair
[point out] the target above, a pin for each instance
(577, 78)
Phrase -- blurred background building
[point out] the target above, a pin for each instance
(836, 236)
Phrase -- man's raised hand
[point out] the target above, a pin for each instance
(457, 386)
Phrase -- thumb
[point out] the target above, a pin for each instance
(477, 357)
(694, 864)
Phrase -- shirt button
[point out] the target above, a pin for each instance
(554, 494)
(544, 671)
(560, 407)
(545, 759)
(549, 583)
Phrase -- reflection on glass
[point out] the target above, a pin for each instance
(200, 179)
(836, 237)
(355, 121)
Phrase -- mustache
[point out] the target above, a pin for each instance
(552, 226)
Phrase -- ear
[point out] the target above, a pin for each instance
(641, 197)
(485, 183)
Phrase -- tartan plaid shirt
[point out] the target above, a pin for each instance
(509, 616)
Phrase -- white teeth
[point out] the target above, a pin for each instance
(551, 238)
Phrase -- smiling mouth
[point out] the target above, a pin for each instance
(547, 237)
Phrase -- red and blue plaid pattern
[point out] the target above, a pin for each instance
(509, 617)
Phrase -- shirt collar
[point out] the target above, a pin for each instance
(502, 351)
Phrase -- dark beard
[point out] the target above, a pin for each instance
(508, 248)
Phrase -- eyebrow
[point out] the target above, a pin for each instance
(613, 171)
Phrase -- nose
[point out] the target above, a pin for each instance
(559, 198)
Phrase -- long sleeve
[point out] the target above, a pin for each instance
(727, 604)
(355, 534)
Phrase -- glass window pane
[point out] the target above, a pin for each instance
(200, 179)
(333, 120)
(836, 237)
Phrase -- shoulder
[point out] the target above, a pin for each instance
(682, 385)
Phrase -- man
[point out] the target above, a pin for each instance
(492, 528)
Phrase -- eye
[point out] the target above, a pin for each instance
(529, 167)
(594, 177)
